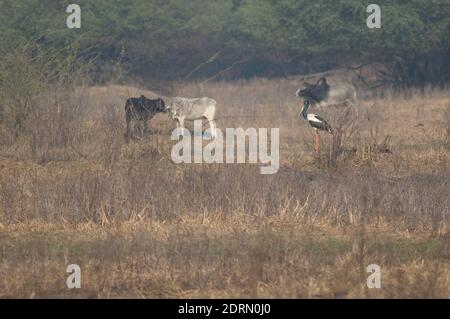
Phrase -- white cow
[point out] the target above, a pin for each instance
(182, 109)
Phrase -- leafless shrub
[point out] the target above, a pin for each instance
(36, 89)
(338, 152)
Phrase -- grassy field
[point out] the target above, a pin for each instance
(74, 192)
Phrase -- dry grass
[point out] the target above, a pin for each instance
(141, 226)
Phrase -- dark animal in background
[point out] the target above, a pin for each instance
(322, 94)
(141, 110)
(315, 92)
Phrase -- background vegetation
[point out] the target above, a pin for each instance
(72, 191)
(167, 39)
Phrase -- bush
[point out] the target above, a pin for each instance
(37, 88)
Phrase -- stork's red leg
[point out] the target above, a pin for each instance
(317, 142)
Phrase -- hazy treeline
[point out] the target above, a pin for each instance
(170, 38)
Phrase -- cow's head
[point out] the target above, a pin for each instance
(314, 92)
(168, 107)
(302, 90)
(161, 106)
(173, 109)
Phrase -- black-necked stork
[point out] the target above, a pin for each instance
(316, 122)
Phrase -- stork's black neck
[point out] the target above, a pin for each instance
(306, 105)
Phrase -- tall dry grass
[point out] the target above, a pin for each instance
(72, 191)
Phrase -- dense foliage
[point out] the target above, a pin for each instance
(170, 38)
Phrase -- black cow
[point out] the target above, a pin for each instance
(141, 109)
(315, 92)
(322, 94)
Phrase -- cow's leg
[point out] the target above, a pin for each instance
(213, 126)
(128, 118)
(127, 132)
(138, 129)
(142, 121)
(180, 125)
(132, 121)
